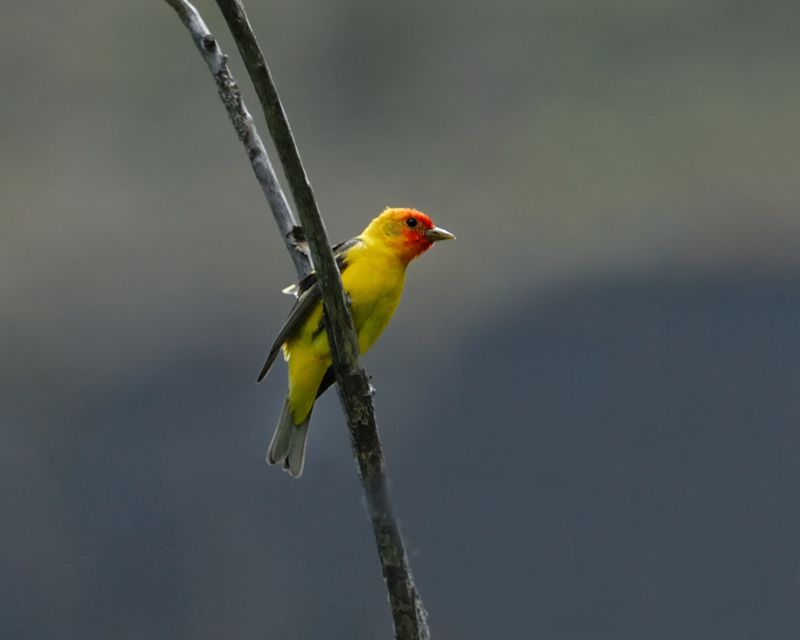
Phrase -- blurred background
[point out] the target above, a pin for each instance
(589, 401)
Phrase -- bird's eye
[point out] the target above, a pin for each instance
(411, 222)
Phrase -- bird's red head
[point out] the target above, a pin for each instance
(408, 232)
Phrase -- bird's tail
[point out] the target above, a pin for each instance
(288, 445)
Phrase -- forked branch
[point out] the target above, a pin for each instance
(355, 392)
(243, 123)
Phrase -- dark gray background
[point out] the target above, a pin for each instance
(589, 401)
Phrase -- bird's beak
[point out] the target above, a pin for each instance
(438, 234)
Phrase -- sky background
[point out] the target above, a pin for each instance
(588, 401)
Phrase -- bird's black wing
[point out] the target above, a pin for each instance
(308, 295)
(327, 381)
(339, 253)
(305, 303)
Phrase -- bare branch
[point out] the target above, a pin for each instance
(355, 392)
(243, 123)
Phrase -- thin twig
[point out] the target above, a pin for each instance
(355, 392)
(243, 123)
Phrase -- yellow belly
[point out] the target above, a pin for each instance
(374, 282)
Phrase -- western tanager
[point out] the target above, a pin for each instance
(373, 267)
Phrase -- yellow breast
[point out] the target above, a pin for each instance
(374, 281)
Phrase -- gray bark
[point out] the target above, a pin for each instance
(355, 391)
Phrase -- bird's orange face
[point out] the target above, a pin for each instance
(410, 232)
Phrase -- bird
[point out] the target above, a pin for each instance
(373, 268)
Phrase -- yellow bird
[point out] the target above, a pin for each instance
(373, 267)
